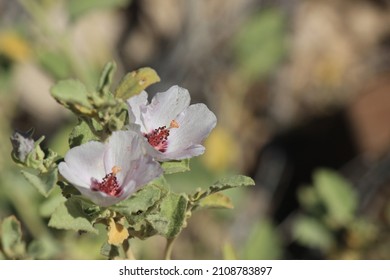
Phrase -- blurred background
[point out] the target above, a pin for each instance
(301, 90)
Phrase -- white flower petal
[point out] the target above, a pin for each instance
(128, 189)
(73, 176)
(101, 198)
(191, 151)
(94, 160)
(115, 145)
(128, 150)
(122, 149)
(137, 107)
(195, 124)
(165, 106)
(83, 163)
(145, 170)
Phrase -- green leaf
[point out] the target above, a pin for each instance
(73, 95)
(112, 252)
(216, 200)
(70, 216)
(309, 199)
(337, 194)
(106, 77)
(77, 8)
(43, 248)
(169, 221)
(50, 159)
(135, 82)
(106, 249)
(171, 167)
(43, 182)
(263, 243)
(311, 233)
(11, 238)
(82, 133)
(35, 158)
(55, 62)
(139, 202)
(119, 118)
(259, 45)
(234, 181)
(48, 206)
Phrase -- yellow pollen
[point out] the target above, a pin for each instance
(115, 170)
(174, 124)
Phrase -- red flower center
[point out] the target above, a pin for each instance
(109, 183)
(158, 138)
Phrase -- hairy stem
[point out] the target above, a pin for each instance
(169, 248)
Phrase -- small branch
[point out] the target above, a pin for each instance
(169, 248)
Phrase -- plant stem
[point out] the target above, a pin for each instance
(169, 248)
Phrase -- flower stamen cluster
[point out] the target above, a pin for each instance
(158, 137)
(109, 183)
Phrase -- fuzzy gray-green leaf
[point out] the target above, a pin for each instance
(48, 206)
(170, 220)
(135, 82)
(216, 200)
(11, 238)
(73, 95)
(138, 202)
(70, 216)
(106, 77)
(171, 167)
(43, 182)
(82, 133)
(234, 181)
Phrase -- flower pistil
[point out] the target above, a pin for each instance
(109, 183)
(158, 137)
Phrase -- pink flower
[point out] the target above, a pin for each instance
(107, 173)
(173, 127)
